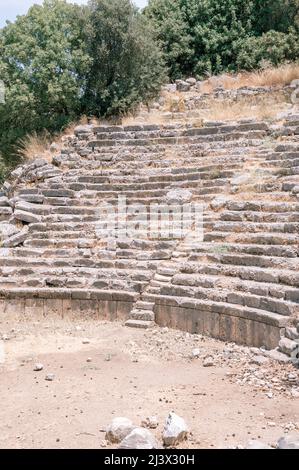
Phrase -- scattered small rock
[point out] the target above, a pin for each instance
(50, 377)
(150, 422)
(38, 367)
(208, 361)
(195, 353)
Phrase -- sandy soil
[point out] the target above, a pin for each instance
(105, 370)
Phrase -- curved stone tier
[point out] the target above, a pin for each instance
(240, 282)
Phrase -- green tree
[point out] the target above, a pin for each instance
(43, 64)
(276, 15)
(127, 65)
(207, 36)
(273, 47)
(174, 30)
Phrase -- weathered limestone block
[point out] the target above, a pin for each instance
(26, 216)
(16, 239)
(288, 347)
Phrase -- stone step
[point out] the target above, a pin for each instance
(220, 282)
(260, 217)
(123, 133)
(282, 155)
(72, 261)
(145, 315)
(159, 141)
(68, 293)
(284, 163)
(284, 277)
(224, 295)
(222, 308)
(143, 305)
(142, 324)
(246, 260)
(250, 227)
(262, 206)
(252, 238)
(250, 249)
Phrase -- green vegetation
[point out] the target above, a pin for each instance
(214, 36)
(127, 65)
(63, 60)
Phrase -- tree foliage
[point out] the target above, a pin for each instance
(127, 64)
(43, 65)
(212, 36)
(62, 60)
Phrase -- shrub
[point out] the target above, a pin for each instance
(127, 65)
(273, 46)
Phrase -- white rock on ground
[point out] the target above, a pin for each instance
(253, 445)
(119, 429)
(195, 353)
(175, 430)
(289, 442)
(50, 377)
(139, 438)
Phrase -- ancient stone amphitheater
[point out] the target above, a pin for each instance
(240, 283)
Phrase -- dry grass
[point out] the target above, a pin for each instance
(282, 75)
(272, 76)
(36, 145)
(152, 117)
(259, 107)
(263, 107)
(33, 146)
(174, 102)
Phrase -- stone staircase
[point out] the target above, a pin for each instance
(239, 283)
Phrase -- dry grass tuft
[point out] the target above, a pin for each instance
(36, 145)
(33, 146)
(276, 76)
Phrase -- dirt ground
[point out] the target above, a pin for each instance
(104, 370)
